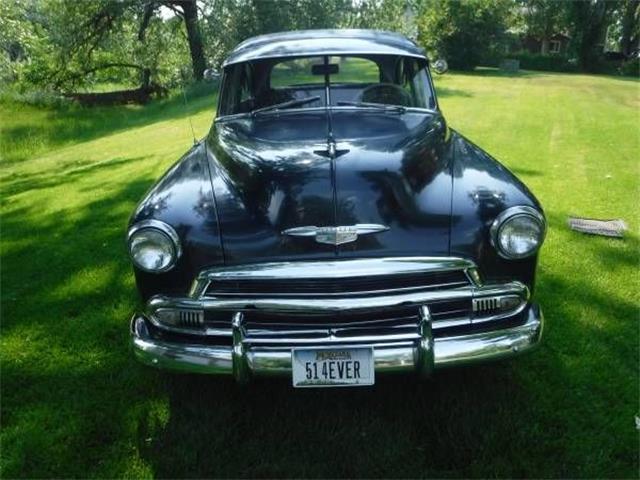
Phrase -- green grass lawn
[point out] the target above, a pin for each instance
(75, 403)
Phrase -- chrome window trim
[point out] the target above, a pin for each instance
(509, 213)
(166, 229)
(324, 53)
(337, 108)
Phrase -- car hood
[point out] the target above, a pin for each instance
(274, 172)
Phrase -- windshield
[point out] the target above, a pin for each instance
(369, 82)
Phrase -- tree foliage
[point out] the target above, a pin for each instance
(588, 24)
(543, 19)
(72, 45)
(465, 33)
(228, 22)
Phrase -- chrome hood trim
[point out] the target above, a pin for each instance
(336, 235)
(352, 267)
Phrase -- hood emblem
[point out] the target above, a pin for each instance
(331, 151)
(336, 235)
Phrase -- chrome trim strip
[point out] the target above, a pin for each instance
(267, 332)
(238, 353)
(329, 53)
(425, 360)
(330, 339)
(360, 267)
(493, 345)
(322, 306)
(279, 348)
(447, 351)
(343, 294)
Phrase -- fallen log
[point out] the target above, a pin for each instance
(139, 96)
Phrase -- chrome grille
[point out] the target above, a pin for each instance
(190, 318)
(377, 302)
(398, 325)
(486, 305)
(277, 330)
(333, 287)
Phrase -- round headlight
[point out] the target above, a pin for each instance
(153, 245)
(518, 232)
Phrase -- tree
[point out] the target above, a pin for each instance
(465, 33)
(543, 19)
(589, 21)
(394, 15)
(630, 27)
(187, 10)
(227, 22)
(121, 41)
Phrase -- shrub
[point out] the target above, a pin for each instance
(631, 68)
(550, 63)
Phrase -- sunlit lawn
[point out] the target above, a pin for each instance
(74, 402)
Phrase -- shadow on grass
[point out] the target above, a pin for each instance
(17, 183)
(75, 403)
(543, 415)
(69, 391)
(70, 124)
(497, 73)
(400, 428)
(451, 92)
(527, 172)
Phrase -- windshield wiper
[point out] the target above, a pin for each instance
(380, 106)
(290, 103)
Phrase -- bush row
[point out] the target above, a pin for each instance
(562, 63)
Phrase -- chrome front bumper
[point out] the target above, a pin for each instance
(422, 357)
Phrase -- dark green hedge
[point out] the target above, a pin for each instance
(550, 63)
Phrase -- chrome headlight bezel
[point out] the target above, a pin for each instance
(508, 215)
(164, 229)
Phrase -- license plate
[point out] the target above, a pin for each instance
(332, 367)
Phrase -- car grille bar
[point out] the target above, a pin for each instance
(266, 330)
(329, 287)
(382, 303)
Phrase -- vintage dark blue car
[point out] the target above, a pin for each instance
(332, 227)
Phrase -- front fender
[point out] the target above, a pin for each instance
(183, 198)
(482, 188)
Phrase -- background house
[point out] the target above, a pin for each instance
(556, 44)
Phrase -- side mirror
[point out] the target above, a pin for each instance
(440, 66)
(211, 75)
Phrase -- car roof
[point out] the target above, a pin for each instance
(323, 42)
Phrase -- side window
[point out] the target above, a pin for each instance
(414, 80)
(237, 95)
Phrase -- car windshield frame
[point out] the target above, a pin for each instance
(260, 72)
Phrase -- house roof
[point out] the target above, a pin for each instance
(323, 42)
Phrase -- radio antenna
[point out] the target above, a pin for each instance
(184, 96)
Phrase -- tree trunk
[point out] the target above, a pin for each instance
(629, 19)
(196, 49)
(589, 19)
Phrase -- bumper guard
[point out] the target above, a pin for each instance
(422, 357)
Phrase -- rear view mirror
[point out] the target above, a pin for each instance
(322, 69)
(440, 66)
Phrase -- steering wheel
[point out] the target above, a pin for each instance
(387, 94)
